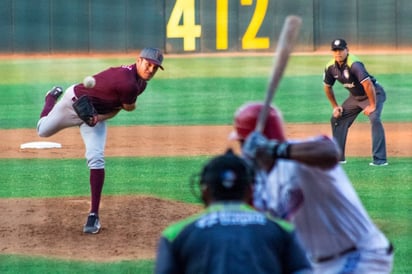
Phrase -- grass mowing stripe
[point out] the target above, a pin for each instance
(11, 264)
(167, 177)
(198, 101)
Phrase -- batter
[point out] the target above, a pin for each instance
(300, 181)
(116, 89)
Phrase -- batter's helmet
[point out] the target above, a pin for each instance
(245, 122)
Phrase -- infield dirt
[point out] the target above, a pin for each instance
(131, 225)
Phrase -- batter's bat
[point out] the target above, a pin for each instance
(285, 45)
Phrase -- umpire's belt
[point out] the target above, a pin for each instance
(386, 251)
(360, 98)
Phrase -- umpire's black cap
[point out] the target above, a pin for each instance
(338, 44)
(227, 176)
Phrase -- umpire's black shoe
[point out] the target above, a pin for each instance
(378, 164)
(92, 225)
(55, 92)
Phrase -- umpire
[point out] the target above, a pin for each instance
(365, 94)
(229, 236)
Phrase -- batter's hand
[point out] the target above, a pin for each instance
(337, 112)
(368, 110)
(258, 150)
(251, 144)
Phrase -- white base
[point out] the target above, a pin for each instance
(40, 145)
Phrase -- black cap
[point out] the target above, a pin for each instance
(338, 44)
(227, 176)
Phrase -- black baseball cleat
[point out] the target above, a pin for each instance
(55, 92)
(92, 225)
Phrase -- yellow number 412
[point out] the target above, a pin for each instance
(249, 39)
(187, 29)
(182, 24)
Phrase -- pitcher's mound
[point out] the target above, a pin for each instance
(52, 227)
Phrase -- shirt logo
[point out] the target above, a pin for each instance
(346, 74)
(349, 85)
(129, 67)
(231, 218)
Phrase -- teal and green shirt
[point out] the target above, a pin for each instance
(230, 238)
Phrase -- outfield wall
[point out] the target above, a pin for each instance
(187, 26)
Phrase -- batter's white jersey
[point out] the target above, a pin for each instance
(323, 205)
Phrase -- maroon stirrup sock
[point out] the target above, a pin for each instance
(96, 187)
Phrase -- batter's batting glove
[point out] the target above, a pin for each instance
(254, 141)
(258, 146)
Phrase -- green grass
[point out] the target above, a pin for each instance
(384, 192)
(165, 176)
(21, 264)
(196, 91)
(200, 90)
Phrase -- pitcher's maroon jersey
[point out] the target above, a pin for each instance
(114, 87)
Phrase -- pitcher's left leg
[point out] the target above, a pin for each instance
(95, 142)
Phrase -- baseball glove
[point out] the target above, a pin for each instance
(85, 110)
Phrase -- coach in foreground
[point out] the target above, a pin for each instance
(301, 182)
(229, 236)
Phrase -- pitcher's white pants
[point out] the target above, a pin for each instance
(63, 116)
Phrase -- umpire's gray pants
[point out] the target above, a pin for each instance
(351, 109)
